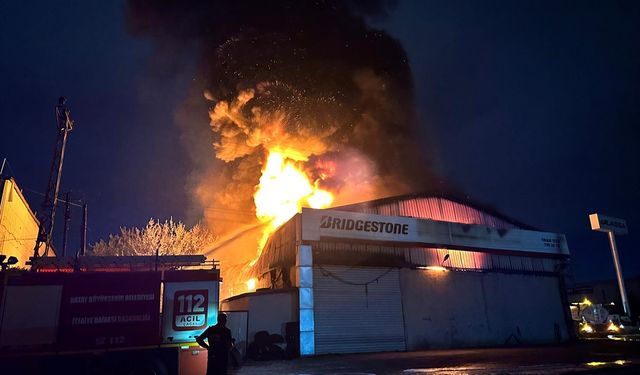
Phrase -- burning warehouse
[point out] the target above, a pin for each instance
(310, 106)
(406, 273)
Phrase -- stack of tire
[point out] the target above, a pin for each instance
(267, 347)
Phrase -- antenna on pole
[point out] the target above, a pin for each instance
(47, 215)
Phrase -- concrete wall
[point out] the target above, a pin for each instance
(268, 311)
(465, 309)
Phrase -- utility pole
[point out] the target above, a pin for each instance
(67, 219)
(83, 230)
(47, 215)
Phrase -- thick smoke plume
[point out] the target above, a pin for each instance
(310, 78)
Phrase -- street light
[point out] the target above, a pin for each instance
(446, 258)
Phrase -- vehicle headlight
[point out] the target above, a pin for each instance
(586, 328)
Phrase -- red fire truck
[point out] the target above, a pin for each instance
(107, 315)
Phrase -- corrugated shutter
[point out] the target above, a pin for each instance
(351, 317)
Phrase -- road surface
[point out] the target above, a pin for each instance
(583, 357)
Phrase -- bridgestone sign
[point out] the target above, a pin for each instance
(331, 222)
(334, 225)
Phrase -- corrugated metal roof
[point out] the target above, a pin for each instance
(437, 206)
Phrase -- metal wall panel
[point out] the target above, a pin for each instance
(458, 259)
(471, 309)
(357, 309)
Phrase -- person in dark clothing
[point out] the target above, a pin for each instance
(218, 344)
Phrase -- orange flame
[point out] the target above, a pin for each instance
(284, 189)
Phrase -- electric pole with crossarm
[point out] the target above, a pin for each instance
(64, 125)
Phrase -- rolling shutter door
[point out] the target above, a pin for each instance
(350, 317)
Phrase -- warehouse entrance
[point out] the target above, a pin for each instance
(357, 309)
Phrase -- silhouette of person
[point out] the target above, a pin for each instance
(218, 344)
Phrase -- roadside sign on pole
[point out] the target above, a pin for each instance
(613, 226)
(602, 223)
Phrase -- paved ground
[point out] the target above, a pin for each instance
(584, 357)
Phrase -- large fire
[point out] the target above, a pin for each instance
(264, 68)
(284, 189)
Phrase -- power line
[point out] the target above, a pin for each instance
(13, 174)
(5, 162)
(59, 199)
(17, 239)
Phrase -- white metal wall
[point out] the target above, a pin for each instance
(467, 309)
(357, 309)
(267, 311)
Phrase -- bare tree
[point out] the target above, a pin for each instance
(170, 237)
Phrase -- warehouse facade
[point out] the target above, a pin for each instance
(408, 273)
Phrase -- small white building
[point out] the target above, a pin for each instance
(408, 273)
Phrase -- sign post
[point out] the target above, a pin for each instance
(613, 226)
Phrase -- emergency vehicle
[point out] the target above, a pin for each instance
(107, 315)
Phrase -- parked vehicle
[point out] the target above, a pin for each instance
(599, 320)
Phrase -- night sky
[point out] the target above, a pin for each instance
(529, 107)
